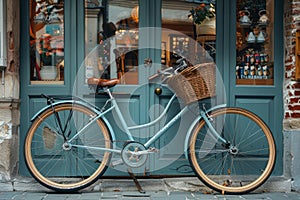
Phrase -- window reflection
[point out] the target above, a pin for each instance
(195, 20)
(254, 42)
(112, 27)
(116, 37)
(46, 41)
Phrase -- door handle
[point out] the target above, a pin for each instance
(158, 91)
(147, 62)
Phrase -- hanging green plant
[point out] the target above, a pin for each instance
(202, 12)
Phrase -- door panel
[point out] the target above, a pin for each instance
(170, 160)
(261, 106)
(111, 51)
(179, 39)
(45, 58)
(256, 72)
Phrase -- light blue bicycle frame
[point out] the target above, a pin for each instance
(114, 106)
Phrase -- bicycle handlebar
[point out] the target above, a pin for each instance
(153, 76)
(166, 72)
(180, 60)
(170, 71)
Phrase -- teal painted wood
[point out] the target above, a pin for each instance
(135, 107)
(170, 159)
(30, 94)
(24, 74)
(264, 100)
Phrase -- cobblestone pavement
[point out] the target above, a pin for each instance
(158, 189)
(135, 195)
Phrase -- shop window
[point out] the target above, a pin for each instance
(254, 42)
(111, 40)
(46, 41)
(112, 37)
(196, 23)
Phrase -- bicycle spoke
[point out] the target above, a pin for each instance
(239, 166)
(68, 122)
(58, 122)
(50, 157)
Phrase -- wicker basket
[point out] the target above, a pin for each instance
(195, 83)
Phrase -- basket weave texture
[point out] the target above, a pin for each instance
(195, 83)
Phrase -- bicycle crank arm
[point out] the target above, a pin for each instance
(144, 152)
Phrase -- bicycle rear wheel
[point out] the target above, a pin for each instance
(241, 165)
(61, 165)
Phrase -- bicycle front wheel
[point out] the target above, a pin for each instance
(62, 164)
(240, 165)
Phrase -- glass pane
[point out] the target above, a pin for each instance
(194, 31)
(111, 27)
(254, 42)
(46, 41)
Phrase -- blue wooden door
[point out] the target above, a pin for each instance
(138, 50)
(48, 59)
(135, 46)
(61, 42)
(253, 73)
(65, 42)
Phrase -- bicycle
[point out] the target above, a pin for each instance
(230, 149)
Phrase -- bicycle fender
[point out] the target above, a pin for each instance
(82, 104)
(189, 132)
(58, 103)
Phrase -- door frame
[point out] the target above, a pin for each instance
(72, 58)
(244, 95)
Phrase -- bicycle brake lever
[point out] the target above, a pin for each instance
(165, 79)
(180, 60)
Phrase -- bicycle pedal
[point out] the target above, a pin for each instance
(153, 150)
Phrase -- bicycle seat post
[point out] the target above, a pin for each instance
(108, 92)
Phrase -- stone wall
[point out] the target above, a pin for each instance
(9, 96)
(291, 95)
(291, 86)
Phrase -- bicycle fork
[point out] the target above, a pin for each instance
(232, 149)
(208, 120)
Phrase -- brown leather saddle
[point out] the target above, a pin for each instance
(101, 83)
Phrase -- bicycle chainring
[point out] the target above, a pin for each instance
(134, 154)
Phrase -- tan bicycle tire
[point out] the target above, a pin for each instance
(47, 181)
(210, 180)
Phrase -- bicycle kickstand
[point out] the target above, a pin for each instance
(137, 184)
